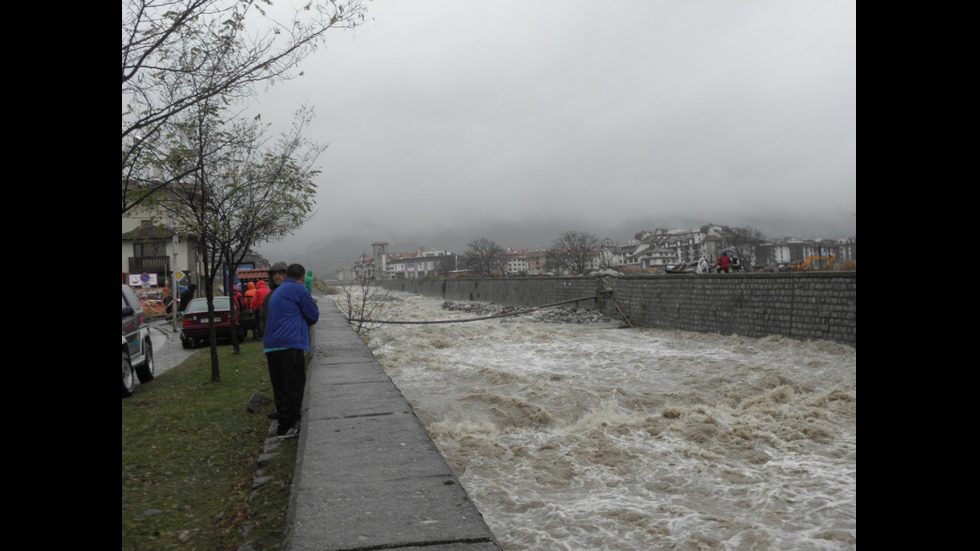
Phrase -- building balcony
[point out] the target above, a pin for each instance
(149, 264)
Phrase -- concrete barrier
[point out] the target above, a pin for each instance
(368, 476)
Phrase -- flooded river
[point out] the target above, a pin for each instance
(592, 436)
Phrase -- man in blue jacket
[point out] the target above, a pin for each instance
(286, 340)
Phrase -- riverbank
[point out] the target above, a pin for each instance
(368, 476)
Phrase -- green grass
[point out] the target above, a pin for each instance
(189, 458)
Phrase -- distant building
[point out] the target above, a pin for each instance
(152, 245)
(537, 262)
(658, 249)
(420, 264)
(381, 254)
(363, 268)
(516, 262)
(649, 251)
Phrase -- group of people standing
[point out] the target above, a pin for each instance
(725, 264)
(252, 305)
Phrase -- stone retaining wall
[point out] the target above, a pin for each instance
(818, 305)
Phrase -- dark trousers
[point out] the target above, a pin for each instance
(287, 370)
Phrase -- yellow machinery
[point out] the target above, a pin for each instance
(813, 262)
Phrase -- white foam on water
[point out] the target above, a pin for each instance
(595, 437)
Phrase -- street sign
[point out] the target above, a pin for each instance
(142, 280)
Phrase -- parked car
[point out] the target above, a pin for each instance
(194, 328)
(137, 350)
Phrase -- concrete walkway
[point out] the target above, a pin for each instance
(367, 474)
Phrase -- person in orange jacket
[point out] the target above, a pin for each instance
(261, 290)
(249, 296)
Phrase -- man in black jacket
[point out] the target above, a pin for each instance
(186, 297)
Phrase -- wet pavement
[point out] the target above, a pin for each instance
(368, 476)
(167, 350)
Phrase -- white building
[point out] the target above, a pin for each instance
(151, 244)
(516, 262)
(420, 264)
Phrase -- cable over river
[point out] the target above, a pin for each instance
(596, 436)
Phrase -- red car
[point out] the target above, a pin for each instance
(195, 323)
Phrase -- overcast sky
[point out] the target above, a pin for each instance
(451, 120)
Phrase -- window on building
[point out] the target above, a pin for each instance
(150, 248)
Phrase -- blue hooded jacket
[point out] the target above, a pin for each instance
(291, 311)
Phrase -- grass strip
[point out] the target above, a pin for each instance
(189, 458)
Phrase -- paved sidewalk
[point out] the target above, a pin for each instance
(368, 476)
(167, 349)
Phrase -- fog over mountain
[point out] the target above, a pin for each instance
(449, 121)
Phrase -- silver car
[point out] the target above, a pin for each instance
(137, 350)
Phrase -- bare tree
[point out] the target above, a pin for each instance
(744, 241)
(240, 191)
(484, 257)
(445, 265)
(573, 250)
(266, 191)
(607, 254)
(180, 54)
(363, 301)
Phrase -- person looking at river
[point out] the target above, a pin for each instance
(287, 339)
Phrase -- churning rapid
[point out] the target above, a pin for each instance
(592, 436)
